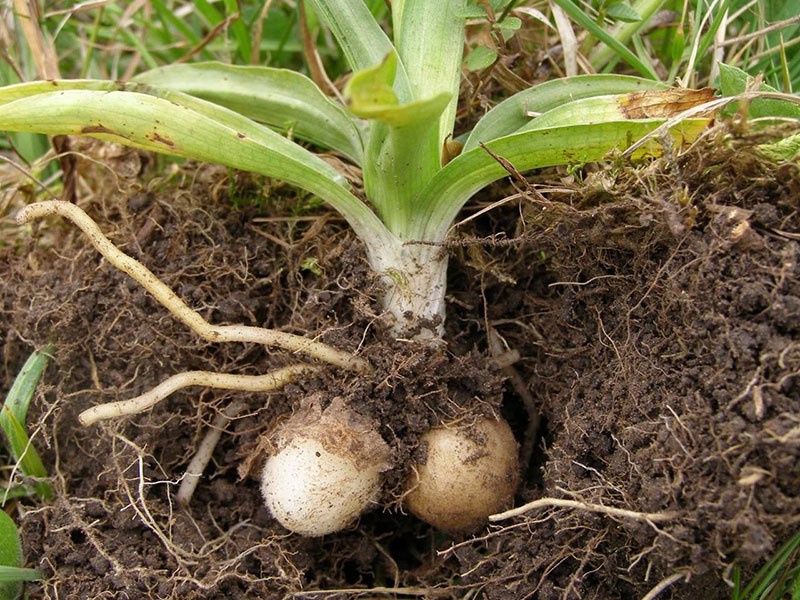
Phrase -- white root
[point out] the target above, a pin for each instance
(227, 381)
(204, 452)
(179, 309)
(598, 508)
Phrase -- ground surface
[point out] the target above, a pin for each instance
(655, 311)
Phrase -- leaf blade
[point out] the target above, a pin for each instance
(280, 98)
(511, 114)
(471, 171)
(181, 125)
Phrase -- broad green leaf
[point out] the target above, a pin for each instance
(617, 107)
(734, 81)
(512, 114)
(370, 95)
(469, 172)
(282, 99)
(361, 38)
(430, 37)
(10, 557)
(480, 58)
(181, 125)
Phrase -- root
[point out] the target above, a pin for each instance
(227, 381)
(179, 309)
(663, 585)
(204, 451)
(598, 508)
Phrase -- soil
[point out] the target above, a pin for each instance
(647, 320)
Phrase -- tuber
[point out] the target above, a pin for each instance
(468, 472)
(326, 469)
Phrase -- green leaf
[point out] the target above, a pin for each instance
(783, 150)
(13, 415)
(180, 125)
(282, 99)
(512, 114)
(10, 556)
(21, 393)
(12, 493)
(24, 453)
(469, 172)
(625, 30)
(361, 38)
(403, 151)
(480, 58)
(16, 574)
(370, 95)
(734, 81)
(430, 38)
(622, 11)
(370, 91)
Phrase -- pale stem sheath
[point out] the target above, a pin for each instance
(204, 452)
(227, 381)
(179, 309)
(598, 508)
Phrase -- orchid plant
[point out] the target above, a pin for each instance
(392, 120)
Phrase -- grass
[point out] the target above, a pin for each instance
(778, 579)
(13, 416)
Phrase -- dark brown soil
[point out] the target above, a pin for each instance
(655, 311)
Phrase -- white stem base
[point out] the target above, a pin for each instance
(415, 279)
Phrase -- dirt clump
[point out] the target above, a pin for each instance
(650, 313)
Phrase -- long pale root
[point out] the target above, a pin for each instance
(179, 309)
(226, 381)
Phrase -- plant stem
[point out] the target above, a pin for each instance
(415, 279)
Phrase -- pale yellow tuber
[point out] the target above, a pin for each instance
(468, 472)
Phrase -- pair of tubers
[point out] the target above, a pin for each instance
(327, 468)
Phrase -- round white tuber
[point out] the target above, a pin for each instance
(326, 469)
(469, 472)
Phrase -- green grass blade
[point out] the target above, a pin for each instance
(580, 17)
(784, 560)
(239, 29)
(16, 574)
(21, 393)
(10, 557)
(283, 99)
(469, 172)
(624, 32)
(512, 114)
(13, 416)
(12, 493)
